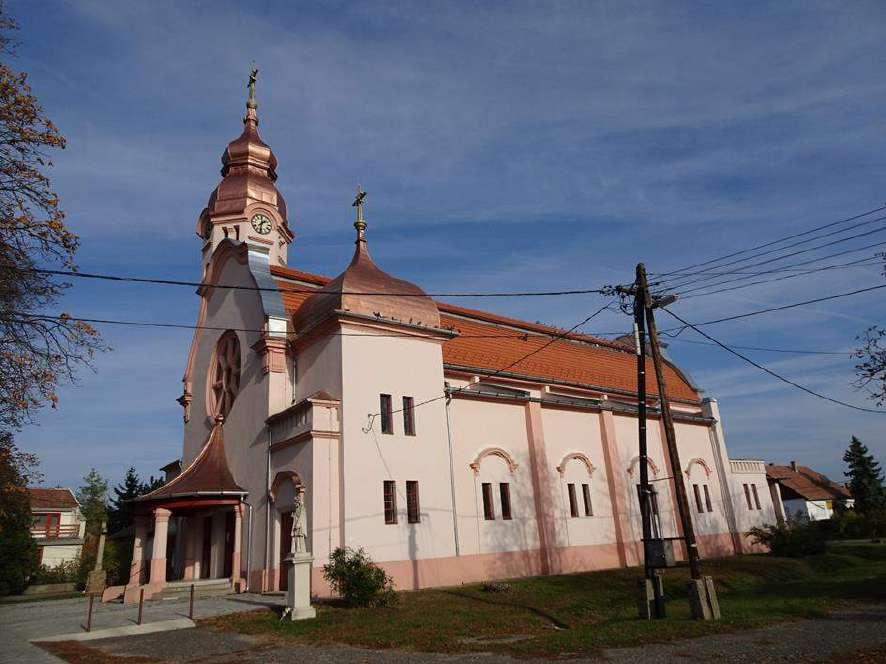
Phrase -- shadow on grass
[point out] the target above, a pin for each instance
(541, 613)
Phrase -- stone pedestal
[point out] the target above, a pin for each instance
(298, 597)
(703, 599)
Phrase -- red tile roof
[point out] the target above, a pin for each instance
(807, 483)
(50, 498)
(208, 474)
(582, 359)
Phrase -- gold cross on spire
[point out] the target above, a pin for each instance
(360, 222)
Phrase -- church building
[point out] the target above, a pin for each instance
(454, 445)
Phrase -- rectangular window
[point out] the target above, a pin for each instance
(747, 496)
(756, 497)
(387, 414)
(573, 501)
(697, 494)
(504, 490)
(390, 493)
(707, 499)
(413, 511)
(488, 507)
(409, 416)
(586, 494)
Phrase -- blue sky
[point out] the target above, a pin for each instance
(528, 146)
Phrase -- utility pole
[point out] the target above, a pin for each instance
(702, 594)
(657, 610)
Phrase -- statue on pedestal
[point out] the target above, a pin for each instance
(298, 597)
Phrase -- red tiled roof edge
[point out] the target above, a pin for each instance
(44, 498)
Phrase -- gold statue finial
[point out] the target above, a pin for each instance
(360, 222)
(253, 75)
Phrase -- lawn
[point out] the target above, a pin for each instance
(581, 613)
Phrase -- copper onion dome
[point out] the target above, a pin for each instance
(365, 289)
(249, 170)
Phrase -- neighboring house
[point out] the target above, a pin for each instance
(799, 492)
(58, 526)
(453, 444)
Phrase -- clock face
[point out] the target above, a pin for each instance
(261, 223)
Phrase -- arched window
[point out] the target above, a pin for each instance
(224, 377)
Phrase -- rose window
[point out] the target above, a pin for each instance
(225, 377)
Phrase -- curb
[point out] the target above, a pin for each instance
(124, 630)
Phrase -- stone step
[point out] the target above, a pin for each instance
(202, 588)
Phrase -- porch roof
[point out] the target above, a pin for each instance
(208, 475)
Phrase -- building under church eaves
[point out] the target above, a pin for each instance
(390, 415)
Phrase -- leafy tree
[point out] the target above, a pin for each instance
(93, 498)
(18, 551)
(865, 477)
(120, 511)
(38, 349)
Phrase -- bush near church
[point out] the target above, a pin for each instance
(358, 580)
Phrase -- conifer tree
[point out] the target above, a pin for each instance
(18, 551)
(93, 498)
(121, 509)
(865, 477)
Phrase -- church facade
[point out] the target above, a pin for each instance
(452, 444)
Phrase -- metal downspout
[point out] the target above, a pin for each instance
(452, 474)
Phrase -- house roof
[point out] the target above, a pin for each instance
(51, 498)
(208, 474)
(490, 342)
(807, 483)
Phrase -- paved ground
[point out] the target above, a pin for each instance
(820, 640)
(20, 623)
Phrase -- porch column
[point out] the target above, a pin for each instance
(158, 558)
(235, 554)
(138, 550)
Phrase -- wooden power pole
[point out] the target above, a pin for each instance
(702, 594)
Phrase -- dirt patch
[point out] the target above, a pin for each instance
(76, 652)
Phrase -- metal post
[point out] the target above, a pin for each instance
(141, 604)
(89, 614)
(191, 608)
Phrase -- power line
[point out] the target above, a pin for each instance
(859, 263)
(782, 307)
(773, 242)
(769, 350)
(286, 289)
(795, 253)
(557, 337)
(770, 371)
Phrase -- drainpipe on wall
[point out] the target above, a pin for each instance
(451, 472)
(248, 543)
(268, 508)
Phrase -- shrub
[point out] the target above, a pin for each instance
(18, 560)
(358, 580)
(791, 540)
(66, 572)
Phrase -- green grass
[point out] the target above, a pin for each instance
(580, 613)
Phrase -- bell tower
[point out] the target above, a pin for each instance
(246, 205)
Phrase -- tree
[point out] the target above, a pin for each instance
(37, 349)
(18, 551)
(871, 356)
(152, 484)
(865, 477)
(93, 498)
(121, 509)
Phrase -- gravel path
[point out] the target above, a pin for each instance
(819, 640)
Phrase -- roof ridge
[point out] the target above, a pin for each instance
(478, 314)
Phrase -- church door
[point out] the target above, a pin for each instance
(229, 544)
(206, 552)
(285, 548)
